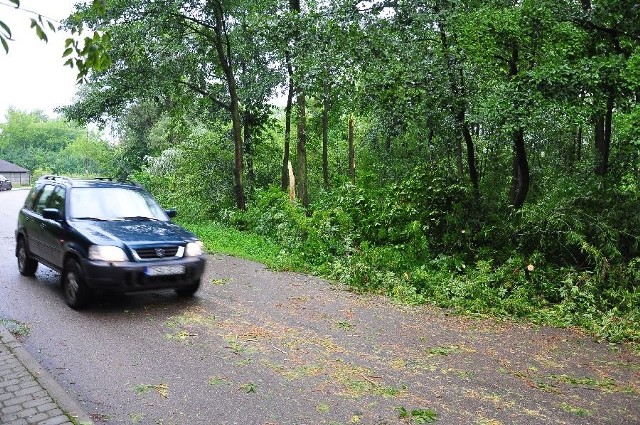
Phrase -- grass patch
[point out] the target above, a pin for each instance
(249, 388)
(222, 239)
(578, 411)
(161, 389)
(417, 416)
(215, 381)
(16, 328)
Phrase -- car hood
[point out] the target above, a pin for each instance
(134, 232)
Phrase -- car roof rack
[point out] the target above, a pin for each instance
(70, 180)
(55, 178)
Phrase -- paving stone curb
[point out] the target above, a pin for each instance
(28, 393)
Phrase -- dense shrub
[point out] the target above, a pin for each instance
(192, 177)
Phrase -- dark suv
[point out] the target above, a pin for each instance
(103, 235)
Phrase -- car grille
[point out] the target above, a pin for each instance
(157, 252)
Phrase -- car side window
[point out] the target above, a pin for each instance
(31, 198)
(56, 200)
(41, 202)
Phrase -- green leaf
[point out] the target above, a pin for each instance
(6, 29)
(41, 34)
(16, 2)
(67, 52)
(402, 412)
(4, 44)
(51, 26)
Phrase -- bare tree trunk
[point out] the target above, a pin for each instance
(325, 136)
(301, 152)
(577, 150)
(603, 136)
(352, 151)
(520, 176)
(471, 157)
(459, 165)
(292, 182)
(287, 127)
(301, 180)
(459, 105)
(248, 122)
(223, 49)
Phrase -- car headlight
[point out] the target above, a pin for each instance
(107, 253)
(194, 249)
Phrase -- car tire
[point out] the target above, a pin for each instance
(188, 291)
(76, 292)
(27, 266)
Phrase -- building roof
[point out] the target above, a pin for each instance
(7, 167)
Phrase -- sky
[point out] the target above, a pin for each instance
(33, 75)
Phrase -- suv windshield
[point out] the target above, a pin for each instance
(113, 203)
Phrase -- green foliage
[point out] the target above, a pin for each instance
(43, 145)
(272, 214)
(574, 223)
(186, 178)
(38, 24)
(418, 416)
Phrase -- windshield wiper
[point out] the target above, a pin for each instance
(90, 218)
(139, 217)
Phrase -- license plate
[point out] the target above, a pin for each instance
(164, 270)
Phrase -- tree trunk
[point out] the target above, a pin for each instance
(223, 49)
(459, 107)
(325, 136)
(520, 178)
(459, 164)
(287, 127)
(301, 179)
(603, 136)
(577, 151)
(248, 122)
(352, 151)
(471, 157)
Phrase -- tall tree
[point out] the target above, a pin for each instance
(192, 50)
(457, 83)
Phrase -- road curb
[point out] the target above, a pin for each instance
(66, 403)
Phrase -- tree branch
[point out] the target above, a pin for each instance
(196, 88)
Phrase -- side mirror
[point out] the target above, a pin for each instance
(51, 214)
(171, 213)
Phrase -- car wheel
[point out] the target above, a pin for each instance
(27, 266)
(76, 292)
(188, 291)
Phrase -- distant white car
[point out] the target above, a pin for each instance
(5, 184)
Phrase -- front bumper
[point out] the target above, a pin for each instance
(132, 276)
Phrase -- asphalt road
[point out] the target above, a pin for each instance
(259, 347)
